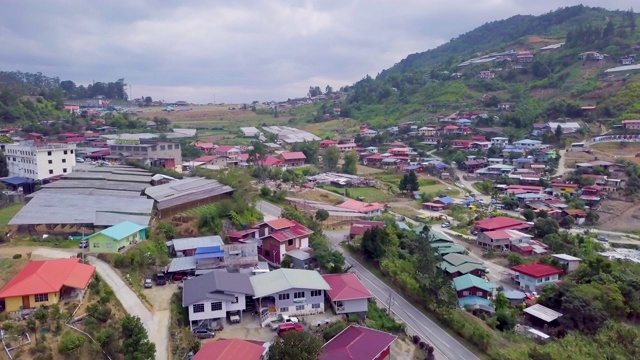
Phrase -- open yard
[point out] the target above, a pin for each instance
(428, 184)
(7, 213)
(369, 194)
(613, 151)
(317, 195)
(333, 127)
(10, 267)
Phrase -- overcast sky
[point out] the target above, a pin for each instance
(235, 51)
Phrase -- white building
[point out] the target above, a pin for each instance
(499, 141)
(40, 161)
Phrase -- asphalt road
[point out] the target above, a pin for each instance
(447, 347)
(270, 211)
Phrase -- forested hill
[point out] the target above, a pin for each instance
(556, 83)
(498, 35)
(31, 97)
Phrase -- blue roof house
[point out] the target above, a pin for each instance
(117, 238)
(209, 257)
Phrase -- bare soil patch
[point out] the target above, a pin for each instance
(619, 216)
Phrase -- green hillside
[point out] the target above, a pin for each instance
(555, 85)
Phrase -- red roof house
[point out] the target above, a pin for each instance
(535, 276)
(361, 226)
(204, 146)
(367, 209)
(501, 223)
(326, 143)
(230, 349)
(358, 343)
(44, 283)
(295, 158)
(348, 294)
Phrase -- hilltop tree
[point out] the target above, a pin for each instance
(330, 158)
(314, 91)
(350, 165)
(609, 30)
(328, 90)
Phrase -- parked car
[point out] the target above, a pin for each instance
(283, 319)
(446, 224)
(234, 317)
(148, 284)
(84, 244)
(177, 277)
(79, 160)
(203, 333)
(283, 328)
(160, 279)
(603, 239)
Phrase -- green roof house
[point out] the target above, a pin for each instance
(117, 237)
(470, 285)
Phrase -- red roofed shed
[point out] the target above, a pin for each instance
(501, 223)
(358, 343)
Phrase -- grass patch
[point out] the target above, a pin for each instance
(51, 241)
(370, 194)
(437, 189)
(236, 141)
(378, 318)
(7, 213)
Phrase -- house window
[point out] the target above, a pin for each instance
(284, 309)
(315, 306)
(65, 152)
(235, 301)
(299, 307)
(64, 170)
(49, 153)
(465, 293)
(546, 278)
(41, 297)
(109, 245)
(216, 306)
(198, 308)
(95, 245)
(283, 296)
(290, 242)
(315, 293)
(169, 147)
(71, 151)
(479, 293)
(50, 172)
(298, 295)
(50, 161)
(64, 161)
(162, 147)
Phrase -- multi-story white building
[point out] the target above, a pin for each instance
(39, 161)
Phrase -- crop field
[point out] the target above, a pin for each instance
(370, 194)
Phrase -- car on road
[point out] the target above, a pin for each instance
(148, 284)
(161, 279)
(446, 224)
(204, 333)
(284, 328)
(603, 239)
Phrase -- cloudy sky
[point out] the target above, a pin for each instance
(234, 51)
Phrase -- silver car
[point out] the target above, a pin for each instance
(148, 284)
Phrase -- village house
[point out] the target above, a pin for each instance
(534, 276)
(501, 223)
(288, 292)
(45, 283)
(292, 159)
(344, 148)
(231, 152)
(183, 247)
(501, 239)
(367, 209)
(212, 297)
(280, 236)
(631, 124)
(373, 160)
(211, 161)
(471, 285)
(358, 343)
(505, 106)
(450, 129)
(567, 127)
(361, 226)
(486, 75)
(471, 166)
(628, 60)
(233, 349)
(428, 131)
(402, 151)
(455, 265)
(591, 195)
(564, 188)
(527, 144)
(204, 146)
(347, 295)
(579, 215)
(590, 56)
(524, 57)
(326, 143)
(461, 144)
(117, 238)
(568, 262)
(463, 122)
(499, 141)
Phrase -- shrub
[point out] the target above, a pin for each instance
(422, 345)
(415, 339)
(71, 343)
(333, 330)
(17, 256)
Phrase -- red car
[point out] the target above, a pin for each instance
(289, 327)
(177, 277)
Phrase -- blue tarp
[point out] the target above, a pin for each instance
(440, 165)
(16, 180)
(208, 252)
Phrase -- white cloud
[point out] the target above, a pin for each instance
(240, 51)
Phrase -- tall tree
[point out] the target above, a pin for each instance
(296, 345)
(350, 165)
(412, 184)
(135, 341)
(330, 158)
(609, 30)
(558, 133)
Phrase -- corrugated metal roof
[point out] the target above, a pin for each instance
(284, 279)
(182, 264)
(196, 242)
(185, 191)
(97, 184)
(215, 284)
(47, 208)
